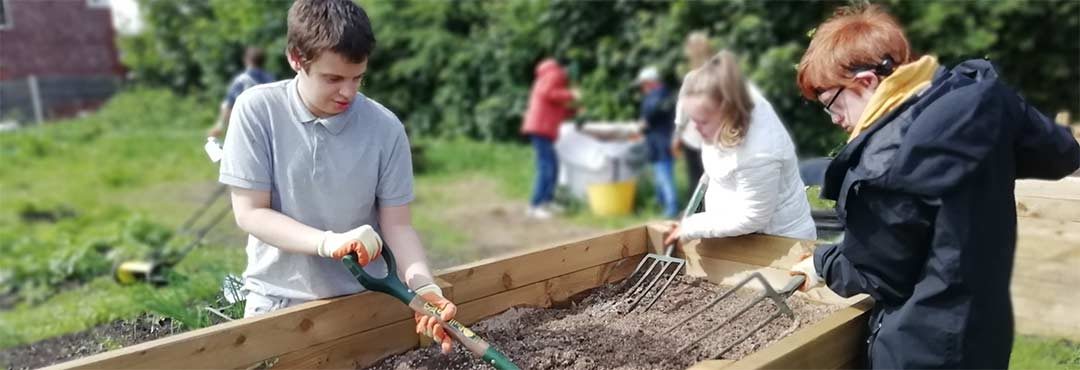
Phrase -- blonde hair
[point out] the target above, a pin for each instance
(698, 48)
(723, 83)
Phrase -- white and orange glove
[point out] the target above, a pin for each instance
(806, 267)
(428, 325)
(362, 241)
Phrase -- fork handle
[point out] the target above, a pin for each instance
(793, 285)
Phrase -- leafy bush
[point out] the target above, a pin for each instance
(463, 68)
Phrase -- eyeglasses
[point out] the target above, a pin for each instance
(883, 69)
(828, 107)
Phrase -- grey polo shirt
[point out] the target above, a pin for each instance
(330, 173)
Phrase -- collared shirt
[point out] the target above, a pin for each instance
(328, 173)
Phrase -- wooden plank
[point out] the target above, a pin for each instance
(726, 272)
(1044, 281)
(355, 351)
(1067, 188)
(1048, 208)
(243, 342)
(305, 336)
(1046, 229)
(832, 343)
(711, 365)
(754, 249)
(655, 237)
(1046, 312)
(492, 276)
(1043, 249)
(758, 249)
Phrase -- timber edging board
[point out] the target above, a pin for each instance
(326, 333)
(240, 343)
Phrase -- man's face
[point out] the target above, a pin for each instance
(648, 86)
(329, 84)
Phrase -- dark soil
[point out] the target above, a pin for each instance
(120, 333)
(591, 333)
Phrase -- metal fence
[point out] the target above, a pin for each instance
(40, 98)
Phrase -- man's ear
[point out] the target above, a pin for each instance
(868, 80)
(294, 60)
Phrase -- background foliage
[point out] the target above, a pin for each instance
(463, 68)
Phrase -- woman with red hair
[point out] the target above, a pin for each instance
(924, 188)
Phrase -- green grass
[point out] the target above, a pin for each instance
(1044, 353)
(82, 195)
(813, 194)
(512, 167)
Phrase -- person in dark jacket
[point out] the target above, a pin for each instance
(924, 188)
(658, 122)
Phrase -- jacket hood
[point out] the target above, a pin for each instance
(550, 67)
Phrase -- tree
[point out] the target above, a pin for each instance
(464, 68)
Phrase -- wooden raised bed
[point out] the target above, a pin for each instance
(356, 331)
(1044, 280)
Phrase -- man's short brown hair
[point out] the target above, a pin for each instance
(254, 56)
(340, 26)
(854, 38)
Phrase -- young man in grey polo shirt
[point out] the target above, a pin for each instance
(318, 171)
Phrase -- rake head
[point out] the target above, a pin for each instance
(778, 298)
(661, 267)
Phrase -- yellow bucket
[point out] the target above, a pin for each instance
(612, 199)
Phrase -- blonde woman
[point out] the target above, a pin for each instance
(686, 140)
(754, 183)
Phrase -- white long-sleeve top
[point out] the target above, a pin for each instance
(754, 187)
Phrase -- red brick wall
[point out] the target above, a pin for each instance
(57, 37)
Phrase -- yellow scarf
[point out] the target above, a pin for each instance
(908, 80)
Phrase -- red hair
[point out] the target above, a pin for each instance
(853, 38)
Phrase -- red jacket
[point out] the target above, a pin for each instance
(549, 101)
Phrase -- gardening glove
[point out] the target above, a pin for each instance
(428, 325)
(362, 241)
(806, 267)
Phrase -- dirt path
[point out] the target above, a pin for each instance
(492, 224)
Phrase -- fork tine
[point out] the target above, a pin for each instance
(678, 266)
(648, 288)
(715, 328)
(752, 332)
(642, 277)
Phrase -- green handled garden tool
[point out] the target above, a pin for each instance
(393, 286)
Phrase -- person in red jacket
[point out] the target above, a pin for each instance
(550, 103)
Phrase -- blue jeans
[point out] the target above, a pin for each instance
(664, 178)
(547, 170)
